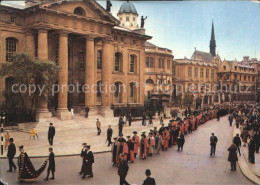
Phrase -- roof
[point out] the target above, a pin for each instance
(149, 45)
(194, 62)
(202, 56)
(124, 29)
(13, 4)
(127, 7)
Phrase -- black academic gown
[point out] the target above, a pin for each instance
(88, 160)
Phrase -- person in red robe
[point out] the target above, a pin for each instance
(143, 147)
(130, 144)
(166, 138)
(135, 140)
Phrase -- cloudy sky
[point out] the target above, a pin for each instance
(183, 25)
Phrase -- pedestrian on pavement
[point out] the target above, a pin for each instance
(122, 170)
(109, 135)
(51, 165)
(88, 160)
(144, 119)
(256, 138)
(149, 180)
(72, 113)
(7, 137)
(120, 127)
(86, 112)
(51, 134)
(213, 144)
(82, 155)
(251, 151)
(161, 118)
(244, 135)
(237, 142)
(98, 123)
(130, 119)
(232, 157)
(230, 119)
(10, 154)
(180, 142)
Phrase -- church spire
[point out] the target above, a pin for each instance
(212, 42)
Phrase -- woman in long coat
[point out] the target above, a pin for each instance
(232, 157)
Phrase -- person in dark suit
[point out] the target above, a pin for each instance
(82, 155)
(88, 160)
(86, 111)
(51, 133)
(149, 180)
(251, 151)
(10, 154)
(232, 157)
(122, 170)
(51, 165)
(213, 144)
(109, 135)
(237, 142)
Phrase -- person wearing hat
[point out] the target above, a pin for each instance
(98, 123)
(161, 130)
(123, 148)
(109, 135)
(135, 140)
(158, 143)
(166, 138)
(155, 131)
(51, 166)
(88, 160)
(82, 155)
(10, 154)
(115, 152)
(149, 180)
(7, 137)
(130, 144)
(150, 143)
(143, 146)
(180, 142)
(122, 170)
(51, 134)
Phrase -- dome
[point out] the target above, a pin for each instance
(127, 7)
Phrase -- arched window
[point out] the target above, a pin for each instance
(11, 48)
(99, 59)
(118, 62)
(133, 93)
(132, 64)
(118, 92)
(149, 81)
(79, 11)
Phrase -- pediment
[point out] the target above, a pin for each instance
(90, 8)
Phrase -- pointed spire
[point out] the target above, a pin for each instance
(212, 31)
(212, 44)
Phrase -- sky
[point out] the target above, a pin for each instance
(183, 25)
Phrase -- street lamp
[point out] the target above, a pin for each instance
(2, 119)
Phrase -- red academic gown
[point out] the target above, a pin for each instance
(182, 129)
(143, 151)
(125, 151)
(166, 138)
(136, 144)
(193, 123)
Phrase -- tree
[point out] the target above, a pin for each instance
(27, 73)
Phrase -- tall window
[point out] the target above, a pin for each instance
(207, 73)
(132, 63)
(173, 70)
(196, 72)
(201, 73)
(99, 59)
(161, 63)
(118, 61)
(132, 92)
(212, 73)
(189, 72)
(149, 62)
(99, 91)
(168, 64)
(10, 48)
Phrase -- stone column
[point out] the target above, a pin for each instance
(105, 78)
(63, 112)
(42, 112)
(89, 73)
(30, 43)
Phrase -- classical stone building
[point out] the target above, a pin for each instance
(158, 75)
(90, 46)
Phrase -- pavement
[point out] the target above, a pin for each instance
(193, 165)
(70, 134)
(251, 171)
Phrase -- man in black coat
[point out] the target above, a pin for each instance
(109, 135)
(10, 154)
(51, 165)
(237, 142)
(88, 160)
(213, 144)
(149, 180)
(122, 170)
(82, 155)
(251, 151)
(51, 133)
